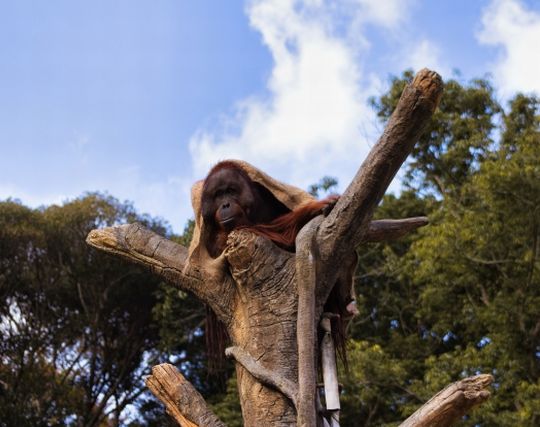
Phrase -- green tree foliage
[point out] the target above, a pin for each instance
(325, 185)
(227, 405)
(77, 327)
(457, 138)
(461, 296)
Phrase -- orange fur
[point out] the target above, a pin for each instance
(284, 229)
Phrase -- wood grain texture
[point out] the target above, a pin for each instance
(306, 328)
(182, 401)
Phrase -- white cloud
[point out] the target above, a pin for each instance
(314, 120)
(388, 13)
(516, 30)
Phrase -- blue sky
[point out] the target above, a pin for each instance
(140, 98)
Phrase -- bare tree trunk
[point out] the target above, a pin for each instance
(271, 300)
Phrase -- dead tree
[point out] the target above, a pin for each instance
(258, 298)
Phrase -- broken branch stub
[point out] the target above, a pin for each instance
(451, 403)
(183, 402)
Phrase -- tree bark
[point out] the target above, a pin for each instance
(264, 375)
(306, 334)
(264, 325)
(182, 401)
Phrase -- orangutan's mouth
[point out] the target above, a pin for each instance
(227, 221)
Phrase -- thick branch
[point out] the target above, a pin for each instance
(142, 246)
(183, 402)
(165, 258)
(264, 375)
(390, 229)
(347, 222)
(451, 403)
(346, 226)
